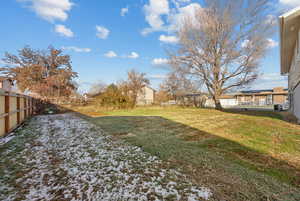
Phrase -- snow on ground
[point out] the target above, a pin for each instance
(6, 139)
(63, 157)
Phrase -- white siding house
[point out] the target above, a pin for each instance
(146, 97)
(290, 56)
(6, 84)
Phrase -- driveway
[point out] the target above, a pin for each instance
(63, 157)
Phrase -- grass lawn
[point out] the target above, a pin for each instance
(240, 155)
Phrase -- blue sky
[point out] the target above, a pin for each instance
(106, 38)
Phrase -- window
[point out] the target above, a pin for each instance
(269, 100)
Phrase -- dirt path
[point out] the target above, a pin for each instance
(63, 157)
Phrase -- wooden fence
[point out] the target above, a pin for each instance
(14, 110)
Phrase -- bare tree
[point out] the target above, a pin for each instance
(134, 84)
(97, 88)
(177, 84)
(223, 44)
(162, 96)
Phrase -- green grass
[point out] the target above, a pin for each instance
(241, 155)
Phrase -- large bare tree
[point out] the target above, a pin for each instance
(223, 43)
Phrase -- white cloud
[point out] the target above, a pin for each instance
(133, 55)
(50, 10)
(63, 31)
(161, 18)
(3, 62)
(110, 54)
(271, 19)
(77, 49)
(157, 76)
(160, 61)
(177, 18)
(272, 43)
(269, 81)
(124, 11)
(168, 39)
(291, 3)
(184, 1)
(102, 32)
(154, 12)
(245, 43)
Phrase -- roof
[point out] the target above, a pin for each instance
(2, 78)
(263, 93)
(264, 90)
(274, 91)
(227, 96)
(289, 26)
(192, 94)
(149, 87)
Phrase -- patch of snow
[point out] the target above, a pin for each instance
(72, 159)
(6, 139)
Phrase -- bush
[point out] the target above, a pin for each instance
(114, 98)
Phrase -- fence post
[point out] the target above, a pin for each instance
(25, 108)
(18, 108)
(31, 106)
(28, 106)
(6, 110)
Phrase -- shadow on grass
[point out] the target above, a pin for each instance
(255, 112)
(207, 158)
(282, 115)
(232, 170)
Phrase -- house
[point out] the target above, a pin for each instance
(290, 56)
(6, 83)
(226, 100)
(277, 95)
(266, 97)
(146, 96)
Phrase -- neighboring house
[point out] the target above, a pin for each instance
(290, 56)
(278, 95)
(6, 83)
(146, 96)
(227, 100)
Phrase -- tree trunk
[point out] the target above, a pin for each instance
(218, 104)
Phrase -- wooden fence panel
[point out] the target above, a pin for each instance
(14, 110)
(22, 116)
(13, 114)
(2, 119)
